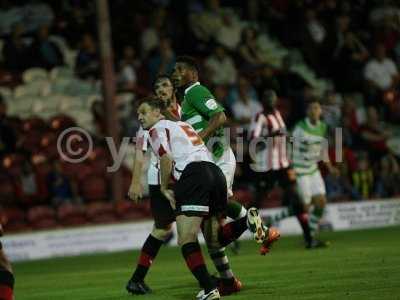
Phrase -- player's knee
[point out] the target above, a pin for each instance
(162, 233)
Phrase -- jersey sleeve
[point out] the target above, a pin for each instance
(203, 101)
(142, 139)
(160, 140)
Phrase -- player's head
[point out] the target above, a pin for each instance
(269, 100)
(163, 88)
(149, 111)
(314, 110)
(185, 71)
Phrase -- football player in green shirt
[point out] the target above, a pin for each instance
(207, 117)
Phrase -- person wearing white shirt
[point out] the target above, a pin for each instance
(381, 72)
(220, 67)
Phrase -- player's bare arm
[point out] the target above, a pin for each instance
(216, 121)
(166, 171)
(136, 189)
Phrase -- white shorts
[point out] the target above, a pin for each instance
(309, 186)
(227, 163)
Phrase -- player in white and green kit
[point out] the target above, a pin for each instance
(309, 147)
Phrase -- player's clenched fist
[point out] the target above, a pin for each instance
(135, 191)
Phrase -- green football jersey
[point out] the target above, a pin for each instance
(198, 107)
(309, 142)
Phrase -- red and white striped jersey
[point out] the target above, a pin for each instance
(180, 141)
(142, 141)
(271, 129)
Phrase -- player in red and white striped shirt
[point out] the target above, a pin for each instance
(199, 193)
(268, 135)
(162, 212)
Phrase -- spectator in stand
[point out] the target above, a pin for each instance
(314, 35)
(8, 137)
(331, 109)
(267, 79)
(87, 63)
(250, 58)
(61, 189)
(350, 123)
(30, 189)
(388, 177)
(230, 31)
(127, 77)
(363, 178)
(375, 135)
(291, 84)
(246, 104)
(43, 52)
(163, 61)
(349, 63)
(220, 67)
(150, 39)
(381, 75)
(16, 51)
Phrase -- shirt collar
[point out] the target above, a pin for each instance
(311, 124)
(193, 85)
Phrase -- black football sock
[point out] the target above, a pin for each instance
(195, 262)
(231, 231)
(6, 285)
(149, 252)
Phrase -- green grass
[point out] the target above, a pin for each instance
(359, 265)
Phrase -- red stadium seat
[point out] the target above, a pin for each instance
(34, 124)
(71, 214)
(94, 188)
(13, 220)
(31, 141)
(42, 217)
(12, 163)
(100, 212)
(60, 122)
(7, 190)
(127, 210)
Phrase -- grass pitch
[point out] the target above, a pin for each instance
(358, 265)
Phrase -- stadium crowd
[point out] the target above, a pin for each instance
(346, 53)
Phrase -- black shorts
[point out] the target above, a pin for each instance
(161, 209)
(201, 190)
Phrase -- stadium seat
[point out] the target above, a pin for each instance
(61, 72)
(33, 124)
(42, 217)
(100, 212)
(7, 190)
(71, 214)
(127, 210)
(48, 145)
(6, 93)
(94, 188)
(31, 141)
(34, 88)
(14, 220)
(12, 164)
(34, 74)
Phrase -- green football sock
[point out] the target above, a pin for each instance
(235, 210)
